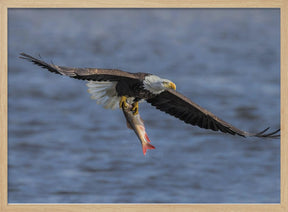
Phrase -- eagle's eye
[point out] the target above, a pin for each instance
(165, 83)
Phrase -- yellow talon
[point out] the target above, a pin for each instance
(135, 108)
(123, 102)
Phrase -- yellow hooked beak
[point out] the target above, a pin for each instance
(170, 85)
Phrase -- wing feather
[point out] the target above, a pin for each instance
(179, 106)
(91, 74)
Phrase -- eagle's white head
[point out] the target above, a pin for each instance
(156, 85)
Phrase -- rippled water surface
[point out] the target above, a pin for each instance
(64, 148)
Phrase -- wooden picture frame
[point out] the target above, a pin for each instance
(6, 4)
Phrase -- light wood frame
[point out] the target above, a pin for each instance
(6, 4)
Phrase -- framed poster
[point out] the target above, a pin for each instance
(61, 151)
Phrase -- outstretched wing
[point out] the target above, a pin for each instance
(92, 74)
(179, 106)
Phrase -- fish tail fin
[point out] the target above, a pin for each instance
(146, 146)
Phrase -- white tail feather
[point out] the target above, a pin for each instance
(105, 93)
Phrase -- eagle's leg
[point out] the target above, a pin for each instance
(135, 108)
(123, 102)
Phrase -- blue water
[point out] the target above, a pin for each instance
(64, 148)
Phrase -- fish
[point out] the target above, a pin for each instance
(136, 123)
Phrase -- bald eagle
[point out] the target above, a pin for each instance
(115, 88)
